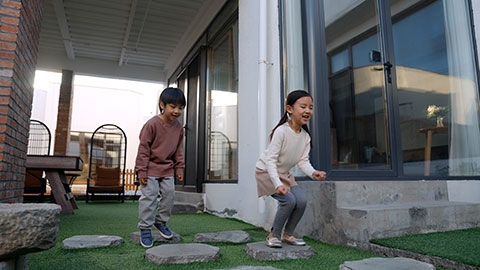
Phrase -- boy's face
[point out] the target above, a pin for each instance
(171, 111)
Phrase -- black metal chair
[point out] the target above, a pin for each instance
(220, 156)
(39, 141)
(108, 154)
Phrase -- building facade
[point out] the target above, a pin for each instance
(396, 120)
(395, 88)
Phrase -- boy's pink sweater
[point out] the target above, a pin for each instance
(160, 151)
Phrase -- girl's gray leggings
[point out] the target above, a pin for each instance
(291, 207)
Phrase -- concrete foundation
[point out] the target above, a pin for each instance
(352, 213)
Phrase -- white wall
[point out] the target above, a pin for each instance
(242, 197)
(464, 191)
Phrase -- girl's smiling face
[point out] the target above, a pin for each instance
(301, 111)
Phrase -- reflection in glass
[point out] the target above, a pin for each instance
(437, 89)
(222, 107)
(358, 124)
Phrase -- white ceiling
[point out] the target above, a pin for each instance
(117, 36)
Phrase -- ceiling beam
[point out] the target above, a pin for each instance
(127, 31)
(64, 29)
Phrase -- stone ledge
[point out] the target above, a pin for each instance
(225, 236)
(260, 251)
(91, 241)
(437, 261)
(182, 253)
(398, 263)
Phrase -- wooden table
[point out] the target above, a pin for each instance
(55, 167)
(428, 144)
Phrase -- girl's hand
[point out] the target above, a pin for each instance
(180, 177)
(319, 175)
(143, 181)
(282, 190)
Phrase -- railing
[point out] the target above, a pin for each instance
(130, 179)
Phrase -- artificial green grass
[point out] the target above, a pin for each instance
(112, 218)
(461, 246)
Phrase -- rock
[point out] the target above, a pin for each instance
(226, 236)
(135, 237)
(26, 228)
(91, 241)
(182, 253)
(260, 251)
(398, 263)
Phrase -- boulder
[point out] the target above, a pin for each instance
(27, 228)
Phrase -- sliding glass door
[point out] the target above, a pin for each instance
(402, 88)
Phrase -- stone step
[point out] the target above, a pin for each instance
(91, 241)
(386, 263)
(182, 253)
(366, 222)
(260, 251)
(225, 236)
(187, 208)
(135, 237)
(356, 193)
(193, 198)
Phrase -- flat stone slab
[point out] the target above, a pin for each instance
(135, 237)
(398, 263)
(91, 241)
(244, 267)
(260, 251)
(225, 236)
(182, 253)
(27, 227)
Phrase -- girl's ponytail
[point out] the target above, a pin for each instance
(282, 121)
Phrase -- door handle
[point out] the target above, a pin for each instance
(388, 69)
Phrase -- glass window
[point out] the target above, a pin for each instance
(222, 154)
(437, 90)
(80, 146)
(340, 61)
(358, 114)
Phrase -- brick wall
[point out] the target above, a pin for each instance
(64, 116)
(20, 22)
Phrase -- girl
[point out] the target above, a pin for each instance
(290, 145)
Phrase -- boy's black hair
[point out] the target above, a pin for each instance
(172, 95)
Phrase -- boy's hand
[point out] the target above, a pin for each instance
(180, 177)
(143, 181)
(319, 175)
(282, 190)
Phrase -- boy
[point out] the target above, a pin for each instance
(159, 157)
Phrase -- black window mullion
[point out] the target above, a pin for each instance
(393, 118)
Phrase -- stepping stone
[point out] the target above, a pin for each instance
(398, 263)
(91, 241)
(253, 268)
(182, 253)
(135, 237)
(260, 251)
(226, 236)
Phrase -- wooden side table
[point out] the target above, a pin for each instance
(428, 144)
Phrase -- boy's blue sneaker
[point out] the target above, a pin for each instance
(146, 238)
(164, 231)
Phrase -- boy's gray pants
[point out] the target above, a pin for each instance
(150, 201)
